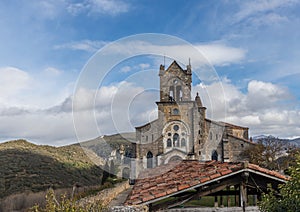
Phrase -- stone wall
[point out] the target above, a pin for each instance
(107, 195)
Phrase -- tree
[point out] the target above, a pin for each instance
(267, 152)
(288, 198)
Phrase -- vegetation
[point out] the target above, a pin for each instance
(64, 204)
(271, 153)
(26, 166)
(288, 197)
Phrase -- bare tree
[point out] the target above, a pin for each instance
(269, 152)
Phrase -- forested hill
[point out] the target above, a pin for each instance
(26, 166)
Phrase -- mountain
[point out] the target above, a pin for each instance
(106, 145)
(26, 166)
(295, 141)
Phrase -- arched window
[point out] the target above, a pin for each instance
(214, 155)
(171, 93)
(183, 142)
(175, 139)
(180, 94)
(169, 143)
(149, 160)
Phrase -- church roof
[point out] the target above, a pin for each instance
(174, 178)
(147, 124)
(242, 139)
(233, 126)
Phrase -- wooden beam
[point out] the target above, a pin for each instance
(216, 201)
(228, 197)
(243, 196)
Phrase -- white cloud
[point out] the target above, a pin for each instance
(125, 69)
(217, 53)
(39, 126)
(262, 108)
(96, 7)
(84, 45)
(50, 71)
(221, 54)
(47, 9)
(12, 81)
(262, 12)
(144, 65)
(270, 18)
(250, 8)
(121, 107)
(112, 7)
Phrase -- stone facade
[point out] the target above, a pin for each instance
(182, 130)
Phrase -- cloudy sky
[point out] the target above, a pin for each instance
(252, 48)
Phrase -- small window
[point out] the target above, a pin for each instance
(169, 134)
(199, 132)
(216, 136)
(183, 133)
(169, 143)
(176, 140)
(242, 145)
(149, 160)
(214, 155)
(199, 152)
(183, 142)
(175, 111)
(152, 137)
(146, 137)
(210, 136)
(199, 142)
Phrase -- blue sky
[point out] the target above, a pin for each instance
(252, 45)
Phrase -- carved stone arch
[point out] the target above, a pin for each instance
(175, 158)
(178, 122)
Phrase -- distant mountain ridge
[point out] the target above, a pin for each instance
(294, 141)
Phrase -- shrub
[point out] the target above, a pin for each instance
(66, 205)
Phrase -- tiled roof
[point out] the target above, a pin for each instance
(242, 139)
(233, 125)
(173, 178)
(149, 123)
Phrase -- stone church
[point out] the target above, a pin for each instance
(182, 130)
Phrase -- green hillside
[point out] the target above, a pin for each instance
(26, 166)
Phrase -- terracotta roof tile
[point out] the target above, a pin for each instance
(215, 176)
(174, 177)
(147, 198)
(183, 186)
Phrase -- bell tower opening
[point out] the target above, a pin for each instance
(175, 83)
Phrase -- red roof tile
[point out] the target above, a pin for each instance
(173, 177)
